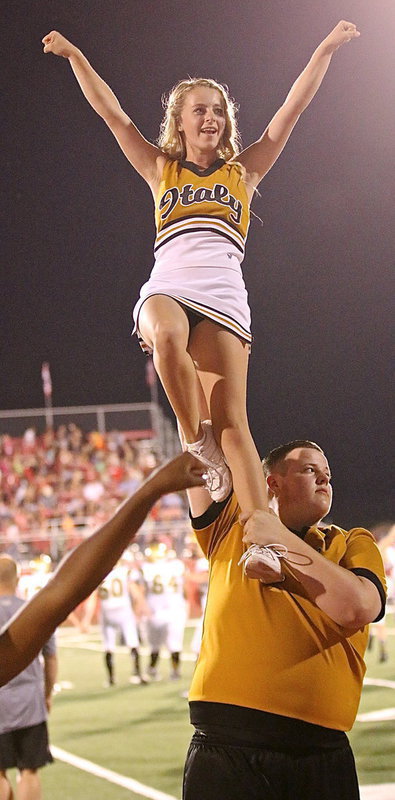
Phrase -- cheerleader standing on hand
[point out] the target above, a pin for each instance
(193, 312)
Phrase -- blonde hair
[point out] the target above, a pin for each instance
(171, 140)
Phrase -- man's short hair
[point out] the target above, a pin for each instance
(276, 456)
(8, 569)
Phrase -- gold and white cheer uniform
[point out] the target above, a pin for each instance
(202, 220)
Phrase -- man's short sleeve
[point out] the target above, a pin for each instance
(211, 526)
(363, 557)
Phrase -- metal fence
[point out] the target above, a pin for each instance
(144, 423)
(143, 420)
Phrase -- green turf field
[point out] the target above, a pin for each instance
(142, 732)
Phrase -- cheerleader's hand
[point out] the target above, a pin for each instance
(342, 33)
(57, 44)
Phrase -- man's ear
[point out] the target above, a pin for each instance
(273, 485)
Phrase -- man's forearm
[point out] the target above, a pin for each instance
(50, 673)
(348, 599)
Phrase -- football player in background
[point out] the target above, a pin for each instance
(163, 578)
(35, 576)
(121, 603)
(201, 577)
(117, 593)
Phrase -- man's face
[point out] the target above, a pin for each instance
(302, 487)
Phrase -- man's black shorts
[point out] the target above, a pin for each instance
(25, 748)
(217, 769)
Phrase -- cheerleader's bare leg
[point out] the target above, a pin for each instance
(221, 359)
(164, 326)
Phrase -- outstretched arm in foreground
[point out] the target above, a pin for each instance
(86, 566)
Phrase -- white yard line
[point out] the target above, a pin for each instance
(378, 791)
(379, 682)
(109, 775)
(383, 715)
(97, 647)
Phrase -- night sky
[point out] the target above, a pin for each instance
(79, 223)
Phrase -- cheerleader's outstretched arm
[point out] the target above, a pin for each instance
(260, 156)
(145, 157)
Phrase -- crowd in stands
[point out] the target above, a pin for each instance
(57, 487)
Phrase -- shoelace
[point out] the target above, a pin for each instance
(215, 481)
(279, 550)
